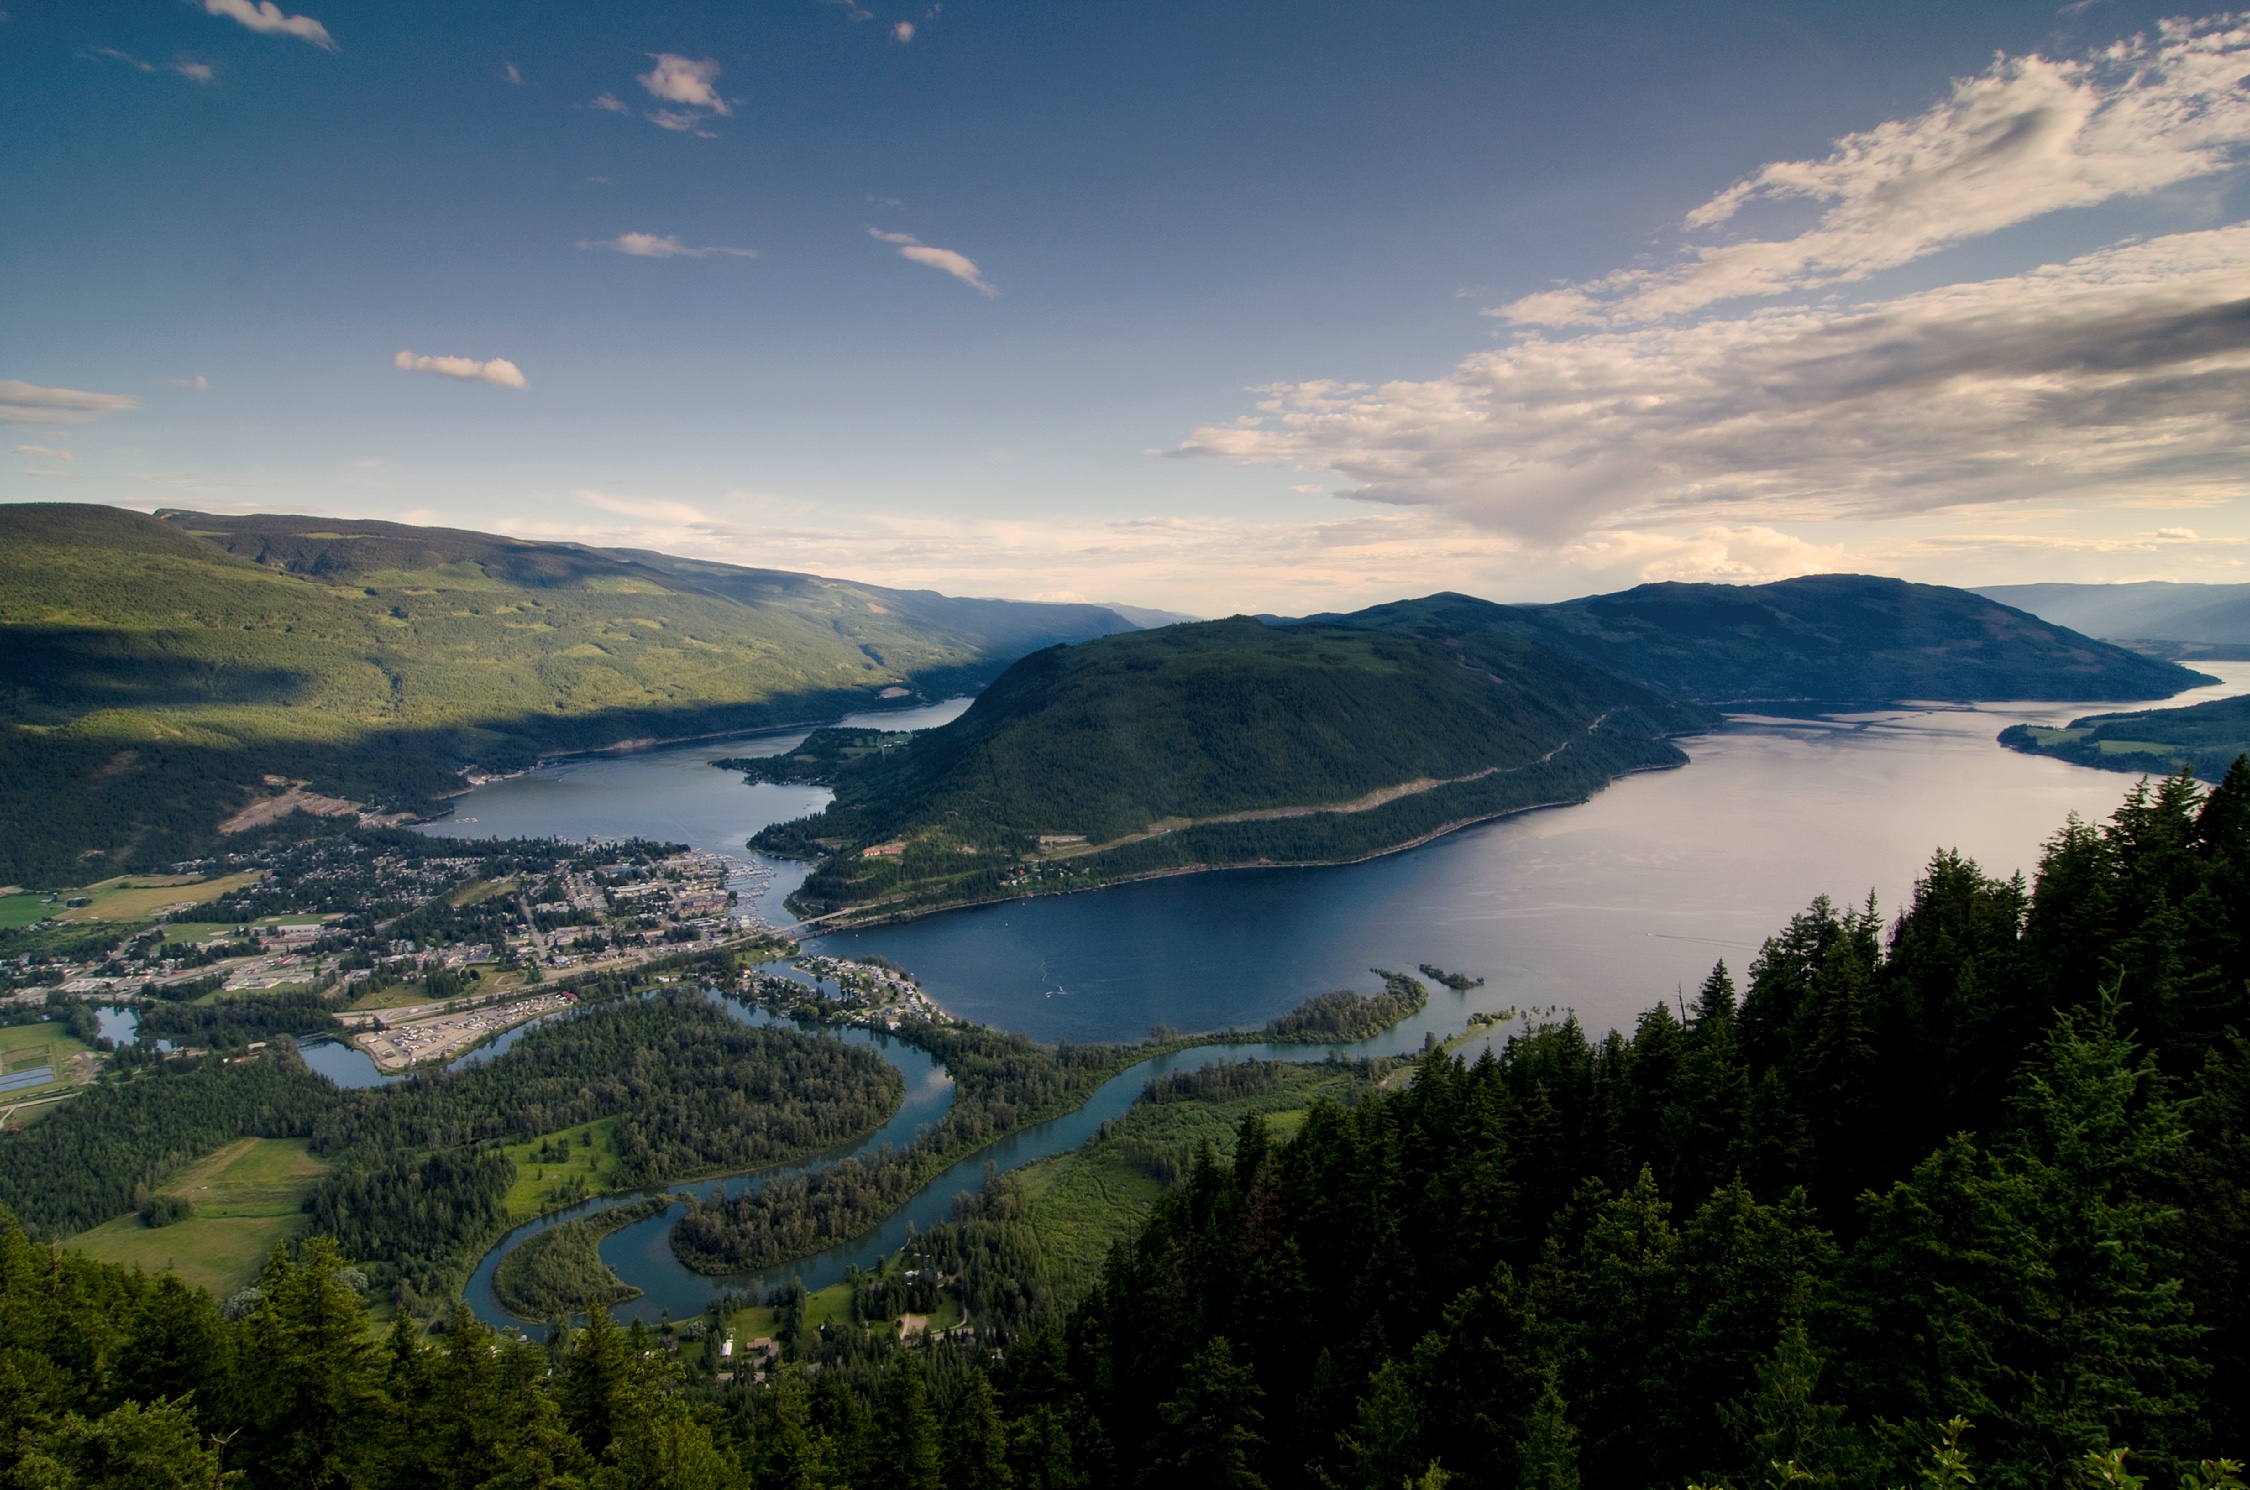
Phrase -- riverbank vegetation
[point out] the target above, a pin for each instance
(560, 1272)
(422, 1183)
(1346, 1018)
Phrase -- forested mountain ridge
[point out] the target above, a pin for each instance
(1221, 742)
(154, 671)
(1824, 637)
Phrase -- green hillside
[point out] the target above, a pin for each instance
(1825, 637)
(1223, 742)
(154, 671)
(2205, 738)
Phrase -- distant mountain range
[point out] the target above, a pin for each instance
(1245, 742)
(155, 671)
(1831, 638)
(2201, 616)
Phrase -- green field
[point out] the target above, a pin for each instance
(17, 911)
(26, 1046)
(542, 1184)
(138, 897)
(1083, 1203)
(247, 1200)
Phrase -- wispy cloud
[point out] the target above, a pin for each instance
(853, 10)
(2118, 376)
(960, 266)
(49, 451)
(662, 246)
(499, 370)
(28, 403)
(269, 18)
(2026, 137)
(2114, 380)
(609, 103)
(194, 72)
(902, 31)
(508, 71)
(196, 384)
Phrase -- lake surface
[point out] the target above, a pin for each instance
(673, 795)
(1604, 908)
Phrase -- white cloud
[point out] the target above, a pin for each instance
(49, 451)
(2027, 137)
(683, 80)
(498, 370)
(661, 246)
(853, 9)
(508, 70)
(267, 17)
(196, 384)
(609, 103)
(960, 266)
(902, 31)
(680, 121)
(27, 403)
(196, 72)
(2118, 376)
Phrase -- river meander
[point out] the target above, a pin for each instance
(1602, 908)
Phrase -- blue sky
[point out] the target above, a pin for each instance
(1209, 307)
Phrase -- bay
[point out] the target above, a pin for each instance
(1604, 908)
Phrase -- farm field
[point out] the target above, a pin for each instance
(19, 911)
(246, 1198)
(26, 1048)
(138, 897)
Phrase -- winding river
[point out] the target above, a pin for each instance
(642, 1255)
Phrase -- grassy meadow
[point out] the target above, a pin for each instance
(247, 1199)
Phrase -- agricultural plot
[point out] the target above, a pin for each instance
(246, 1199)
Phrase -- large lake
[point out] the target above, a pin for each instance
(1604, 908)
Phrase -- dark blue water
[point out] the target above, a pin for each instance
(1605, 908)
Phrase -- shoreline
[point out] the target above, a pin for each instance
(814, 927)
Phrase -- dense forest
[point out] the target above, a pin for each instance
(1001, 1083)
(93, 1156)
